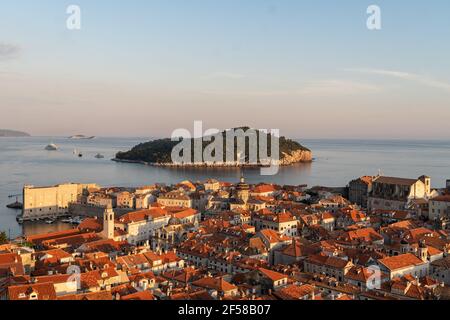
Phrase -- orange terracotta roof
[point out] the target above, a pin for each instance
(91, 224)
(185, 213)
(401, 261)
(329, 261)
(39, 238)
(294, 292)
(91, 296)
(44, 291)
(218, 284)
(265, 188)
(143, 295)
(273, 236)
(272, 275)
(143, 215)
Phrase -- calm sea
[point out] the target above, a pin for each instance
(24, 161)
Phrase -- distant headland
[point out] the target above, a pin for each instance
(4, 133)
(159, 153)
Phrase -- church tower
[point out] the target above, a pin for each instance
(243, 190)
(427, 182)
(108, 223)
(423, 251)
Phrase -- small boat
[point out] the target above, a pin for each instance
(81, 137)
(16, 205)
(99, 156)
(76, 220)
(51, 147)
(68, 220)
(19, 220)
(50, 221)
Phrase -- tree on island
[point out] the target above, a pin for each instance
(3, 238)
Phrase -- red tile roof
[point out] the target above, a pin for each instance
(44, 291)
(401, 261)
(272, 275)
(143, 215)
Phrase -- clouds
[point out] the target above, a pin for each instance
(420, 79)
(338, 87)
(319, 88)
(9, 51)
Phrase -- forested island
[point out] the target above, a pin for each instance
(159, 152)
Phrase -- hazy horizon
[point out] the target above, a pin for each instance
(144, 69)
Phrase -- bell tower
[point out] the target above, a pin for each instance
(423, 251)
(243, 190)
(108, 223)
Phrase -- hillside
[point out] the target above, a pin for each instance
(158, 152)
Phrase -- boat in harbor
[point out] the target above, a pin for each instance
(68, 220)
(50, 221)
(16, 205)
(51, 147)
(76, 220)
(99, 156)
(81, 137)
(79, 154)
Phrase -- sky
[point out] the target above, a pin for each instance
(147, 67)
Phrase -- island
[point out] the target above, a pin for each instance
(159, 152)
(4, 133)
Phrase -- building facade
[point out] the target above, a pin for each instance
(390, 193)
(53, 201)
(439, 207)
(359, 189)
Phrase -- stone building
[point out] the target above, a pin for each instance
(359, 189)
(390, 193)
(53, 201)
(439, 207)
(175, 199)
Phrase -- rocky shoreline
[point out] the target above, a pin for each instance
(299, 156)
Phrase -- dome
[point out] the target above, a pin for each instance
(174, 221)
(242, 185)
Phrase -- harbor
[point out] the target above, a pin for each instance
(337, 162)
